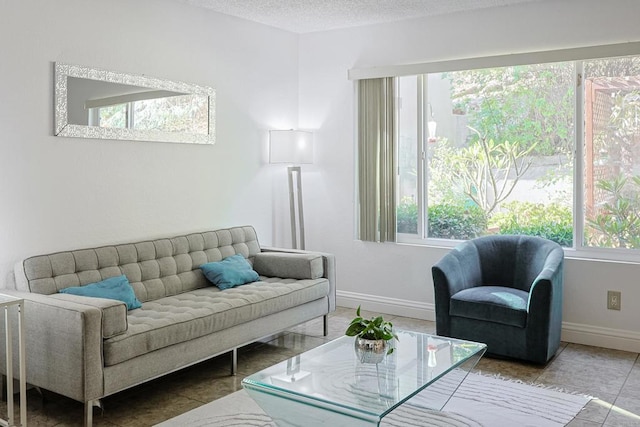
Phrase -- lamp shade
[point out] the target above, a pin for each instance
(290, 146)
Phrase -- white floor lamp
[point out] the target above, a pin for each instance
(294, 147)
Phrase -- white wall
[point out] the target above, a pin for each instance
(65, 193)
(397, 278)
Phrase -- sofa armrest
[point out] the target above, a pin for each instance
(114, 312)
(328, 268)
(288, 265)
(63, 342)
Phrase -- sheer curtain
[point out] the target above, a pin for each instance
(377, 159)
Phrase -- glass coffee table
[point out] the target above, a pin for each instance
(330, 386)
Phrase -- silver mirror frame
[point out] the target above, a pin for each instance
(64, 128)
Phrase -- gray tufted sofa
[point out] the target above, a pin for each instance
(88, 348)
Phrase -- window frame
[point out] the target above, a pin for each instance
(575, 55)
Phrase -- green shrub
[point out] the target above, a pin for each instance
(553, 221)
(446, 221)
(407, 216)
(456, 221)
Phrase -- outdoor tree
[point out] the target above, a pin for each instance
(488, 171)
(531, 104)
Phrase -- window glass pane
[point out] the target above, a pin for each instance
(500, 156)
(612, 152)
(407, 207)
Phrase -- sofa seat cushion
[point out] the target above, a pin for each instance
(199, 312)
(491, 303)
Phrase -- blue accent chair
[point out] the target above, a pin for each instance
(504, 291)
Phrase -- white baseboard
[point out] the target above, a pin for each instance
(397, 307)
(618, 339)
(577, 333)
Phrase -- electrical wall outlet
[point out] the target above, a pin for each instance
(613, 300)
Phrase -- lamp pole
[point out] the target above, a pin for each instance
(293, 147)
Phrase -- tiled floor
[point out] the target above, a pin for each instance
(610, 375)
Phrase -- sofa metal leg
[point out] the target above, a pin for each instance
(325, 324)
(234, 361)
(88, 411)
(3, 388)
(41, 394)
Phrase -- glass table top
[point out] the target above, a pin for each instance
(333, 377)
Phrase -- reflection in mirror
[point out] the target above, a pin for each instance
(94, 103)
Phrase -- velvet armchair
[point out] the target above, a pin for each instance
(504, 291)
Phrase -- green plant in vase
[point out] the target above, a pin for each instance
(372, 337)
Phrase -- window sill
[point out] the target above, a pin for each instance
(627, 256)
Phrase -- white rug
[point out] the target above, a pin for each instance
(480, 401)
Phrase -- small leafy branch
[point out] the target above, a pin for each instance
(617, 224)
(489, 171)
(371, 329)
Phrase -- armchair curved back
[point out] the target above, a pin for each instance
(514, 261)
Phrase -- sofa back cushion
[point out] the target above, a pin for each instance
(156, 269)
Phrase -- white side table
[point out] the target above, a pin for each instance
(8, 303)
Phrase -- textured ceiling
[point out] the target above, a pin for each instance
(303, 16)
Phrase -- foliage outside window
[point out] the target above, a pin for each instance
(502, 157)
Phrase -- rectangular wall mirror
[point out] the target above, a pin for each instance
(92, 103)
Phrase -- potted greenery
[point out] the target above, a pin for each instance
(372, 337)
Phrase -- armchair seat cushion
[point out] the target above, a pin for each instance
(497, 304)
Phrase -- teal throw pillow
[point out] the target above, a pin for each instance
(117, 288)
(231, 271)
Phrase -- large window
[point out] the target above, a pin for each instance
(547, 149)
